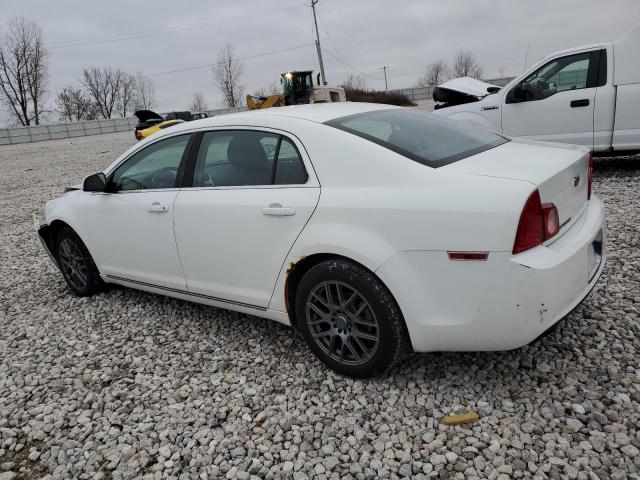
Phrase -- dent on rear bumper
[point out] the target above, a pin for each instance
(500, 304)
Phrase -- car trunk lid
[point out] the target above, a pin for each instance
(146, 115)
(560, 172)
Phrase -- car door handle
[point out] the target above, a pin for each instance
(277, 210)
(580, 103)
(158, 207)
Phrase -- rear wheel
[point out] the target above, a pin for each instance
(349, 319)
(76, 264)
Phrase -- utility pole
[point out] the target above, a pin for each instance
(315, 21)
(526, 57)
(386, 86)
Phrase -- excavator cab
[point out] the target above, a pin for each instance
(297, 87)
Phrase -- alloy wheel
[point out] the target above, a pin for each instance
(73, 264)
(342, 322)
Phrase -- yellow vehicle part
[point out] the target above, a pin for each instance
(258, 103)
(156, 128)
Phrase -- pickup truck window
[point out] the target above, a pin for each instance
(571, 72)
(560, 74)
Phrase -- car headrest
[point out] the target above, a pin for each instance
(245, 151)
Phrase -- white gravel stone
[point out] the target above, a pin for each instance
(132, 385)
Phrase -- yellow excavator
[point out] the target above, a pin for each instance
(298, 88)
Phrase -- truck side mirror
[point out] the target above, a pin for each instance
(516, 94)
(95, 183)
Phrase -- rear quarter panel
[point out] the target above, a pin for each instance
(375, 203)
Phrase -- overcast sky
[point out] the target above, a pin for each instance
(358, 37)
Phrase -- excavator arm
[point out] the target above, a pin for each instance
(258, 103)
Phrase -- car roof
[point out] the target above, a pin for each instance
(318, 112)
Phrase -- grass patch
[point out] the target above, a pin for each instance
(373, 96)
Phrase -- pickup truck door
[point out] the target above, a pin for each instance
(556, 101)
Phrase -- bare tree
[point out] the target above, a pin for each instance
(435, 74)
(355, 82)
(145, 92)
(103, 87)
(73, 105)
(127, 95)
(271, 89)
(23, 71)
(227, 73)
(198, 103)
(465, 64)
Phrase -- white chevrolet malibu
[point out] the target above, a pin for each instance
(370, 229)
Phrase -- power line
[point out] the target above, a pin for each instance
(207, 65)
(334, 43)
(344, 28)
(351, 66)
(158, 31)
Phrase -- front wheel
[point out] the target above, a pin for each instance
(349, 319)
(76, 264)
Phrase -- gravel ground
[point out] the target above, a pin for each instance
(128, 384)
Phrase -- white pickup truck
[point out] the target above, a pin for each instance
(588, 95)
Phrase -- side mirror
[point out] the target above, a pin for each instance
(95, 183)
(516, 94)
(552, 87)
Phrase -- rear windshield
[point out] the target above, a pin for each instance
(428, 139)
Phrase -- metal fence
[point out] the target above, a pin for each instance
(10, 136)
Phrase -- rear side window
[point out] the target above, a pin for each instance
(246, 157)
(289, 167)
(428, 139)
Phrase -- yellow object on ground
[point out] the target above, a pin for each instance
(460, 418)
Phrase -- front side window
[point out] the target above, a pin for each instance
(229, 158)
(153, 167)
(561, 74)
(426, 138)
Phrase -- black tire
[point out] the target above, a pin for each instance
(340, 336)
(76, 264)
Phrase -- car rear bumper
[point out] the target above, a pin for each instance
(504, 302)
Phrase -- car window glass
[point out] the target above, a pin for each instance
(155, 166)
(289, 167)
(572, 76)
(560, 74)
(235, 158)
(428, 139)
(378, 129)
(269, 144)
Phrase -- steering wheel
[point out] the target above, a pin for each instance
(163, 178)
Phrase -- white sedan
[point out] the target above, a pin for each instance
(371, 229)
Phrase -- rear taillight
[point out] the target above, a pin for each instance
(531, 225)
(589, 175)
(537, 223)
